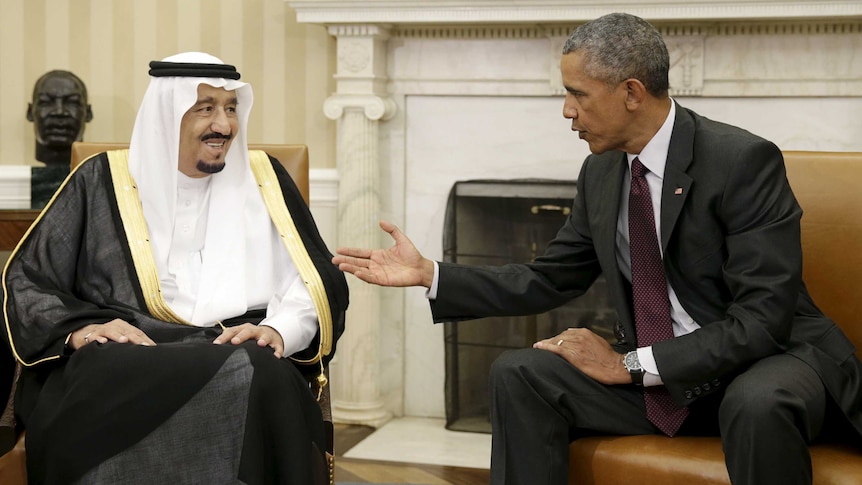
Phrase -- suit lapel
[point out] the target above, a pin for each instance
(676, 183)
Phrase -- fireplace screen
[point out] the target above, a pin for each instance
(497, 222)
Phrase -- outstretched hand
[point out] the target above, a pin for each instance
(399, 265)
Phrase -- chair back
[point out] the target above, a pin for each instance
(294, 158)
(827, 186)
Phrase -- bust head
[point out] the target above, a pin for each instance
(59, 112)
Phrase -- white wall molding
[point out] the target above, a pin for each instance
(548, 11)
(763, 27)
(15, 186)
(323, 189)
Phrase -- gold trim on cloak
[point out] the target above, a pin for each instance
(280, 215)
(135, 226)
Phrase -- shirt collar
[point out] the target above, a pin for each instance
(192, 183)
(654, 154)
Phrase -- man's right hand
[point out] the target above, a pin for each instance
(116, 330)
(400, 265)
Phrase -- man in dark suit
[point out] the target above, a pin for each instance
(695, 227)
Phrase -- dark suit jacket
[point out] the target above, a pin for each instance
(732, 252)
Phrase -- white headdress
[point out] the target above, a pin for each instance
(237, 215)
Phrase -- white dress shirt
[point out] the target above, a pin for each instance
(654, 158)
(290, 312)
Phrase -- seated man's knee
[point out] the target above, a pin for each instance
(517, 366)
(754, 401)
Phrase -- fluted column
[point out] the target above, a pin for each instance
(358, 106)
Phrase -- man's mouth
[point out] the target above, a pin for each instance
(60, 130)
(216, 138)
(60, 126)
(215, 141)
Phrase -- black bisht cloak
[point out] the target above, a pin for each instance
(74, 268)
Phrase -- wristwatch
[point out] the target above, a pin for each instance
(633, 365)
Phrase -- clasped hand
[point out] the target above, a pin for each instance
(590, 353)
(124, 332)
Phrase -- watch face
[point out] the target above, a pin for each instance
(632, 362)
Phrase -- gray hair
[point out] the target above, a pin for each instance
(621, 46)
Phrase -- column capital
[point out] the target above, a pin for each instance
(361, 56)
(375, 107)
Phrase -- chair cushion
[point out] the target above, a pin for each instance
(685, 460)
(13, 465)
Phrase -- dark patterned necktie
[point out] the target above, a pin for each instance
(650, 297)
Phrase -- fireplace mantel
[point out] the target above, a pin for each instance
(392, 12)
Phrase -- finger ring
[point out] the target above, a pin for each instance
(87, 337)
(560, 342)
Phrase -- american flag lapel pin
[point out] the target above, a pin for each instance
(678, 191)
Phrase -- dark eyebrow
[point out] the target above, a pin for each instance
(210, 99)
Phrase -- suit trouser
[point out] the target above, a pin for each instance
(540, 403)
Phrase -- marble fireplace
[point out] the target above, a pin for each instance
(433, 92)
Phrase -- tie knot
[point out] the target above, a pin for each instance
(638, 169)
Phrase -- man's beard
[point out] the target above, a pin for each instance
(210, 168)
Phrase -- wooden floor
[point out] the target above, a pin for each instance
(365, 471)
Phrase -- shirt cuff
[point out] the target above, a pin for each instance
(647, 360)
(431, 293)
(294, 317)
(294, 333)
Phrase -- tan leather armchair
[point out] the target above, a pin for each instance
(294, 158)
(827, 187)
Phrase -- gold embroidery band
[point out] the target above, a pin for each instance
(278, 211)
(135, 226)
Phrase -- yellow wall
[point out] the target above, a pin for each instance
(109, 43)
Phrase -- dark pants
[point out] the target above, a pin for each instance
(540, 403)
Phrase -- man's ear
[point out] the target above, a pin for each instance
(89, 114)
(635, 93)
(29, 111)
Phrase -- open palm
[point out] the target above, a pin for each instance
(399, 265)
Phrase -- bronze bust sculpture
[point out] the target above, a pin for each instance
(59, 112)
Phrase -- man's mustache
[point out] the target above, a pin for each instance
(210, 136)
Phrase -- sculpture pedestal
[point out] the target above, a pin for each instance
(44, 181)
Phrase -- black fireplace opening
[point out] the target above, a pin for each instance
(493, 222)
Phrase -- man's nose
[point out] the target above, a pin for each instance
(220, 123)
(569, 111)
(58, 107)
